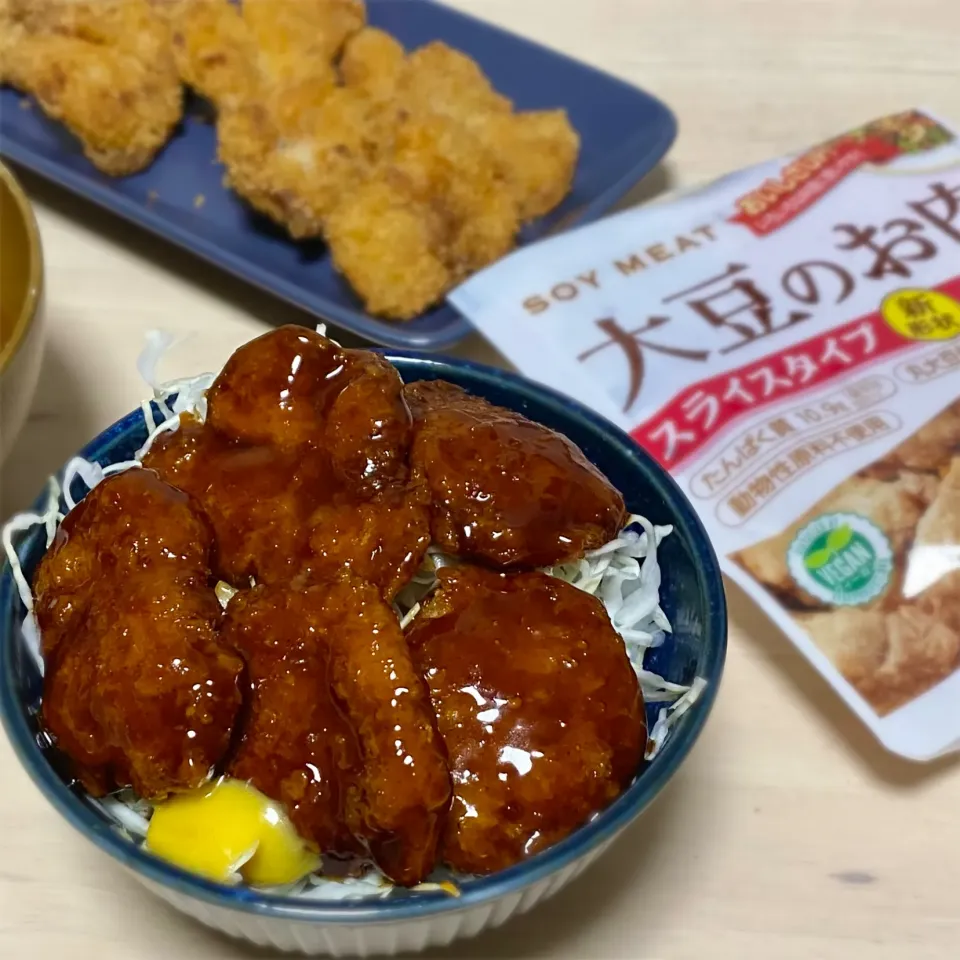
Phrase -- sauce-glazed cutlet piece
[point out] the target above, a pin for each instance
(406, 784)
(296, 745)
(276, 514)
(506, 490)
(138, 689)
(383, 540)
(538, 707)
(340, 727)
(303, 460)
(258, 498)
(295, 389)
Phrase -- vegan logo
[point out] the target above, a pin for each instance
(841, 558)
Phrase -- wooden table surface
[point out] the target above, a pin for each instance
(789, 833)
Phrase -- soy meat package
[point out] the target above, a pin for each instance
(786, 342)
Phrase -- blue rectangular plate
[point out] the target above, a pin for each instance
(624, 132)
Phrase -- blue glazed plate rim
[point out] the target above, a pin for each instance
(455, 326)
(610, 821)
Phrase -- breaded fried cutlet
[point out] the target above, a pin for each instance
(451, 170)
(296, 42)
(440, 79)
(298, 181)
(270, 52)
(464, 174)
(374, 62)
(438, 211)
(292, 36)
(385, 242)
(536, 152)
(214, 50)
(105, 69)
(292, 141)
(413, 167)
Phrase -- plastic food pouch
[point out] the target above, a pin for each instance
(786, 342)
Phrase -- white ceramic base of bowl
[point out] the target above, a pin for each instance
(373, 939)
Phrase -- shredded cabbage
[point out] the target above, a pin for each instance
(130, 812)
(624, 574)
(225, 593)
(158, 343)
(668, 716)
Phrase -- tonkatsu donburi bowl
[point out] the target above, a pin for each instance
(688, 655)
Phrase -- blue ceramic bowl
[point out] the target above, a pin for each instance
(692, 596)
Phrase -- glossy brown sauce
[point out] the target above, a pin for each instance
(339, 726)
(538, 707)
(275, 389)
(138, 689)
(296, 744)
(302, 464)
(382, 540)
(506, 490)
(311, 478)
(295, 390)
(259, 498)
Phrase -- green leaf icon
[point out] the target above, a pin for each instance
(839, 538)
(817, 558)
